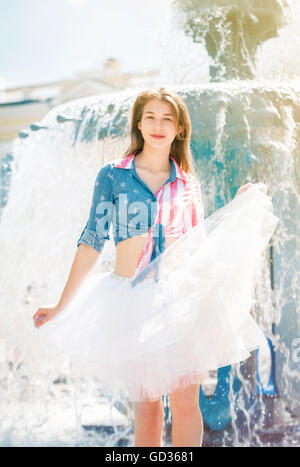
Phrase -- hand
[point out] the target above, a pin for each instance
(243, 188)
(44, 314)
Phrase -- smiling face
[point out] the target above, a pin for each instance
(158, 124)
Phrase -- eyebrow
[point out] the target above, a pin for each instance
(150, 112)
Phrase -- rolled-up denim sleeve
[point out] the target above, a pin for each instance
(96, 231)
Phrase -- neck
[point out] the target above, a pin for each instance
(153, 159)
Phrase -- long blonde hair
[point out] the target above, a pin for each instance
(180, 147)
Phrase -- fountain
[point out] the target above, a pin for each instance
(243, 131)
(231, 31)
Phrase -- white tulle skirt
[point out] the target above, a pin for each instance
(186, 313)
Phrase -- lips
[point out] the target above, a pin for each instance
(157, 136)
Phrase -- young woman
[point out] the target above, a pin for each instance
(178, 300)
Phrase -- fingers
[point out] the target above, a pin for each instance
(38, 315)
(243, 188)
(40, 321)
(35, 314)
(37, 321)
(39, 318)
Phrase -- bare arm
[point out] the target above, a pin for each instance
(90, 244)
(84, 260)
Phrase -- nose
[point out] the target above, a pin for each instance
(158, 124)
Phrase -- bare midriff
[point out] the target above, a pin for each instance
(128, 253)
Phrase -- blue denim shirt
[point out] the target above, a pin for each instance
(121, 197)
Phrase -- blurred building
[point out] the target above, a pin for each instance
(20, 106)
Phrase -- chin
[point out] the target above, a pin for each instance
(158, 144)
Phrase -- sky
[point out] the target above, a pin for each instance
(46, 40)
